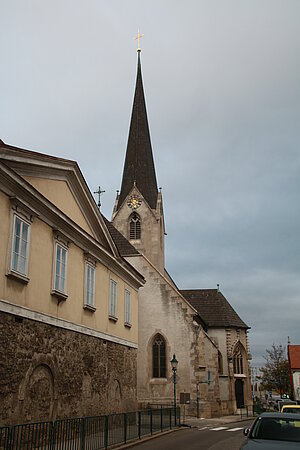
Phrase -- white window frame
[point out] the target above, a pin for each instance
(16, 270)
(61, 294)
(89, 286)
(127, 306)
(113, 291)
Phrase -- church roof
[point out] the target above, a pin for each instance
(213, 308)
(139, 164)
(124, 247)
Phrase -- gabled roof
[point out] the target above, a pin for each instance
(294, 356)
(139, 165)
(31, 163)
(213, 308)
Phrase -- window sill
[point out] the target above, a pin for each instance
(18, 276)
(127, 324)
(158, 381)
(113, 318)
(239, 375)
(59, 295)
(89, 307)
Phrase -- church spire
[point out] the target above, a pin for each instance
(139, 166)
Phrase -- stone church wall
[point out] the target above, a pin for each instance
(173, 319)
(47, 372)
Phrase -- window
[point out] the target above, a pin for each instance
(89, 286)
(238, 362)
(60, 270)
(127, 307)
(220, 363)
(134, 227)
(113, 300)
(159, 357)
(20, 246)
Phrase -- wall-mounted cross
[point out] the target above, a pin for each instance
(99, 192)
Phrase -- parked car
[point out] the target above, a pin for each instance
(272, 431)
(281, 403)
(291, 408)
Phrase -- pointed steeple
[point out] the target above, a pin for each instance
(139, 165)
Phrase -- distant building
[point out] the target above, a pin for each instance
(199, 326)
(294, 367)
(68, 300)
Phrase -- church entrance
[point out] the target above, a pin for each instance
(239, 393)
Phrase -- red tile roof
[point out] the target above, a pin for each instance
(294, 356)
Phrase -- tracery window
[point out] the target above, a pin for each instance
(238, 362)
(135, 227)
(159, 357)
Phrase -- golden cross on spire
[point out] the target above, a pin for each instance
(139, 36)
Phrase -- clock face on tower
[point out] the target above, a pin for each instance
(134, 202)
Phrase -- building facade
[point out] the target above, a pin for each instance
(294, 367)
(68, 300)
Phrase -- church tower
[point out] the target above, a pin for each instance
(138, 210)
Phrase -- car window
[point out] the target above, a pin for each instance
(276, 429)
(292, 410)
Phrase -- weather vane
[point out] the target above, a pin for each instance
(99, 192)
(139, 36)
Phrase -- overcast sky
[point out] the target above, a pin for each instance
(222, 87)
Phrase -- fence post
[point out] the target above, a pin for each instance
(150, 421)
(8, 442)
(106, 433)
(52, 435)
(139, 423)
(125, 427)
(161, 419)
(82, 433)
(170, 415)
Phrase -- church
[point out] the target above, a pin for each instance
(90, 319)
(199, 326)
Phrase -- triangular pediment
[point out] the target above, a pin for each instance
(61, 182)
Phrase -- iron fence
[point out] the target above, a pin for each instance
(88, 433)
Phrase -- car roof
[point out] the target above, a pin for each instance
(279, 415)
(290, 405)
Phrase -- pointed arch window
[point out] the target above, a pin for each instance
(220, 363)
(134, 227)
(238, 362)
(159, 357)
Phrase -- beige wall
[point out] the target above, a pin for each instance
(58, 192)
(36, 294)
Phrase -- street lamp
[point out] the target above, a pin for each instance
(174, 364)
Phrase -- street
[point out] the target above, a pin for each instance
(220, 437)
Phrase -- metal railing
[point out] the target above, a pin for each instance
(88, 433)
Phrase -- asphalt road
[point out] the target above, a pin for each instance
(220, 437)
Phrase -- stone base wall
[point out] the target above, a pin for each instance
(48, 372)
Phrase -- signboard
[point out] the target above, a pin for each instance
(185, 398)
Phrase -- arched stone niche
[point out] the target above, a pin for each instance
(37, 392)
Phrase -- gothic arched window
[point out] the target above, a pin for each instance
(134, 227)
(159, 357)
(238, 362)
(220, 362)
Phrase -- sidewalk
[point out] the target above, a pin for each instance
(194, 422)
